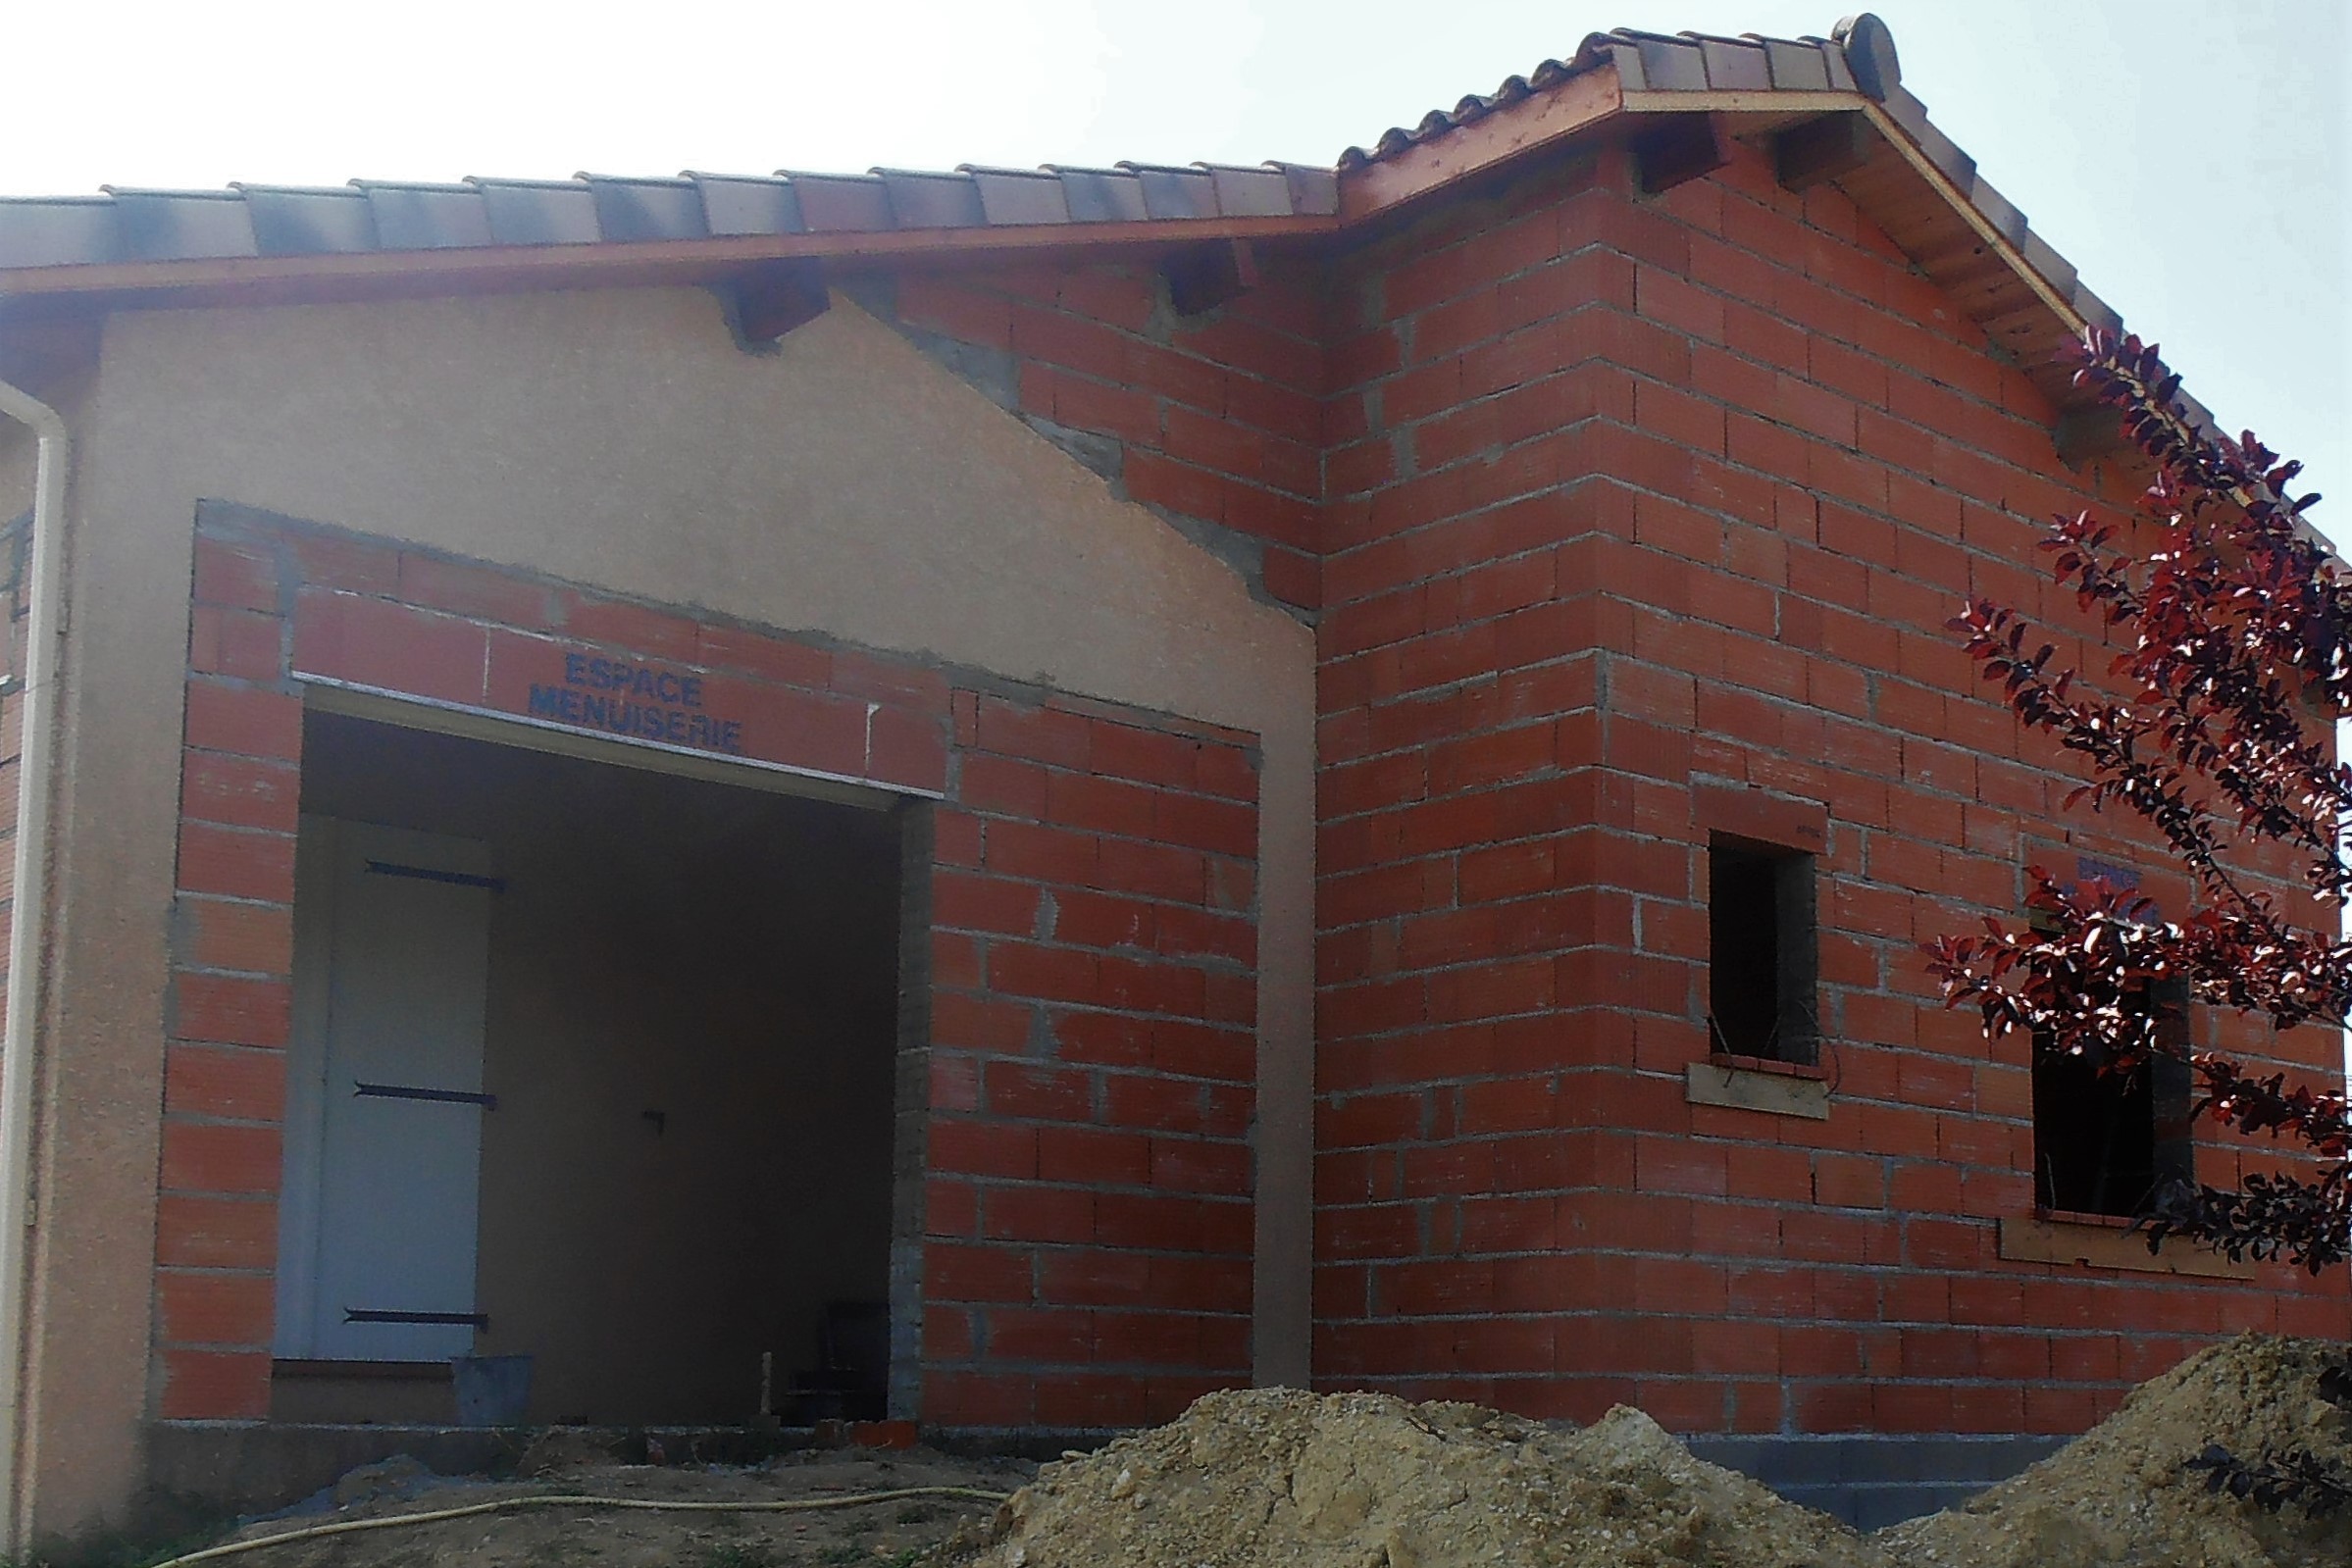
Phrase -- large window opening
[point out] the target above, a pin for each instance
(2107, 1138)
(594, 1065)
(1761, 951)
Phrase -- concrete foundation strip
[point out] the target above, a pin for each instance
(346, 1527)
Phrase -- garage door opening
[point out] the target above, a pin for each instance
(593, 1065)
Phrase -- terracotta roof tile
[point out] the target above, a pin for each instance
(842, 203)
(292, 221)
(1102, 195)
(1020, 196)
(750, 204)
(1173, 192)
(1243, 193)
(1796, 67)
(266, 221)
(1736, 65)
(648, 209)
(539, 212)
(166, 225)
(925, 200)
(410, 217)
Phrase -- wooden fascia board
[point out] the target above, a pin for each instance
(593, 264)
(1996, 243)
(1541, 119)
(1743, 101)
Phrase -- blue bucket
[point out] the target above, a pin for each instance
(493, 1390)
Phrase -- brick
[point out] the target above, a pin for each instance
(231, 1010)
(950, 1209)
(763, 657)
(1095, 1157)
(214, 1309)
(240, 791)
(392, 647)
(981, 1148)
(1055, 1214)
(974, 1399)
(984, 903)
(979, 1024)
(476, 591)
(214, 1158)
(211, 1081)
(1028, 1092)
(956, 1272)
(219, 933)
(336, 561)
(241, 644)
(206, 1232)
(234, 574)
(215, 1386)
(247, 720)
(636, 628)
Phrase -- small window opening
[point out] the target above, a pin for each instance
(2106, 1139)
(1761, 951)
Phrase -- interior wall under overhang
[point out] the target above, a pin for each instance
(690, 1038)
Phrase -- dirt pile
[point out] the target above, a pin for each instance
(2118, 1496)
(1278, 1478)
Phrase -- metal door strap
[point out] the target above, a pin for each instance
(402, 1091)
(460, 879)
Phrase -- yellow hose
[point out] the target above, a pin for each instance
(349, 1526)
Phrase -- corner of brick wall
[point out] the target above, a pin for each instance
(1631, 502)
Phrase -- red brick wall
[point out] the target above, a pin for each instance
(1090, 959)
(1092, 1069)
(1623, 518)
(1218, 417)
(1638, 509)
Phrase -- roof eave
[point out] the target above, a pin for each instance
(598, 264)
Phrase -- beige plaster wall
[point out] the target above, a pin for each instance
(841, 484)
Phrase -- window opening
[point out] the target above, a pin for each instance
(1763, 958)
(2106, 1139)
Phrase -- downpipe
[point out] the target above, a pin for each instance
(28, 940)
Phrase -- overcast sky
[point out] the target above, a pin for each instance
(2190, 158)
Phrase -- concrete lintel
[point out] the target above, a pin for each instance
(1743, 1089)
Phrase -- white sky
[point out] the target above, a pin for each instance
(2190, 158)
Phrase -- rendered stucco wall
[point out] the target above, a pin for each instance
(841, 485)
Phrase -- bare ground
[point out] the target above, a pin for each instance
(1279, 1479)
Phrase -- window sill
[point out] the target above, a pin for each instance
(1769, 1064)
(1753, 1084)
(2107, 1241)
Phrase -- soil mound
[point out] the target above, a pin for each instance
(1279, 1479)
(2118, 1496)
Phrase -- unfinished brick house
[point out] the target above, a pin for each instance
(1001, 797)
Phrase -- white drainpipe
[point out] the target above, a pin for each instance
(28, 941)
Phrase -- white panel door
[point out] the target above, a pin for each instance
(383, 1150)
